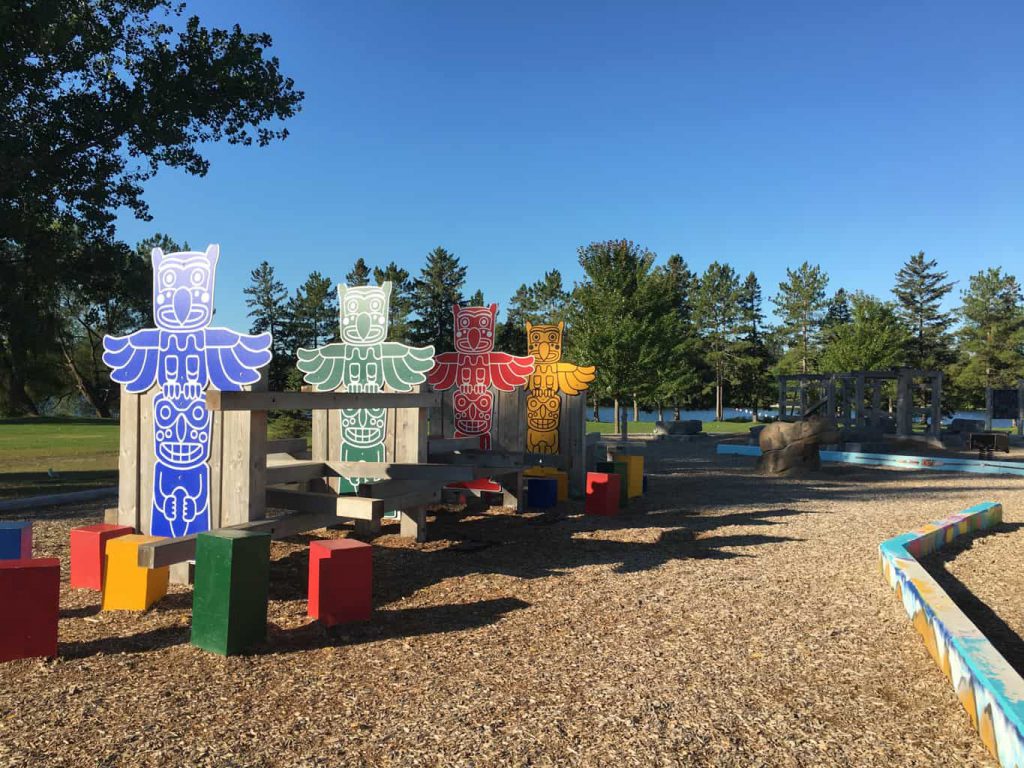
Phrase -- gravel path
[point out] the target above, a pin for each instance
(731, 620)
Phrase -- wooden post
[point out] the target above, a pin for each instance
(936, 425)
(128, 462)
(147, 459)
(858, 400)
(988, 409)
(904, 405)
(1020, 407)
(244, 465)
(413, 524)
(876, 404)
(572, 442)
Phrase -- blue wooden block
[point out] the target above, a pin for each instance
(15, 539)
(542, 492)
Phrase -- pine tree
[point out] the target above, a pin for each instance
(313, 313)
(991, 335)
(919, 290)
(400, 306)
(683, 372)
(477, 299)
(359, 275)
(720, 326)
(542, 302)
(838, 311)
(800, 304)
(756, 384)
(267, 302)
(434, 292)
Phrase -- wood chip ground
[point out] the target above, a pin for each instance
(729, 620)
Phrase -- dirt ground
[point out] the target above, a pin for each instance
(983, 575)
(728, 620)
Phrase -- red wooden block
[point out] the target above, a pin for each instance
(88, 544)
(602, 494)
(29, 602)
(340, 581)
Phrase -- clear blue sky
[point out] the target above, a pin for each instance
(757, 133)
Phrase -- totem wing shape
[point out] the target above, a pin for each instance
(573, 379)
(324, 366)
(133, 358)
(508, 371)
(234, 359)
(405, 366)
(445, 371)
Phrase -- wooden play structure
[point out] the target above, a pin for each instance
(854, 400)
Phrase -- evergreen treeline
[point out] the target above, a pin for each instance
(661, 334)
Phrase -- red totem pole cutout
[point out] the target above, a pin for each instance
(473, 368)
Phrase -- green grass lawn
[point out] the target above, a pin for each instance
(81, 452)
(646, 427)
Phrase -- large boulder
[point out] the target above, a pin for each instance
(788, 447)
(685, 427)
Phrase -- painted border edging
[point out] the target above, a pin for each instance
(989, 689)
(936, 463)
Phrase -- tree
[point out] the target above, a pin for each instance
(90, 309)
(623, 318)
(719, 324)
(267, 300)
(991, 334)
(313, 312)
(919, 290)
(543, 302)
(360, 274)
(755, 383)
(434, 292)
(800, 304)
(96, 98)
(837, 312)
(477, 299)
(399, 307)
(683, 372)
(873, 339)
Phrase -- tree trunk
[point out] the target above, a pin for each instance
(676, 413)
(661, 412)
(636, 409)
(615, 411)
(623, 430)
(719, 400)
(597, 408)
(86, 388)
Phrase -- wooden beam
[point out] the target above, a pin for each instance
(170, 551)
(308, 401)
(437, 446)
(295, 471)
(287, 445)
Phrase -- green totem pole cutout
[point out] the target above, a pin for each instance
(364, 362)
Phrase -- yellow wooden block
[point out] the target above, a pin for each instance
(635, 474)
(126, 585)
(561, 477)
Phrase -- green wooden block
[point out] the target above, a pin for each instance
(229, 599)
(620, 468)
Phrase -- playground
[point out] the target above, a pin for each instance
(725, 619)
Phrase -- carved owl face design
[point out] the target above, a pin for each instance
(474, 328)
(364, 313)
(183, 288)
(544, 342)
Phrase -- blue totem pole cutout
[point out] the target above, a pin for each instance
(184, 355)
(364, 362)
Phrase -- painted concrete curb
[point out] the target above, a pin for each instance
(55, 499)
(935, 463)
(989, 689)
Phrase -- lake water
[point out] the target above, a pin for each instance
(607, 413)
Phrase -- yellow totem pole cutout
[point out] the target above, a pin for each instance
(549, 377)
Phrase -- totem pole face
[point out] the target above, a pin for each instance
(474, 328)
(544, 342)
(364, 313)
(183, 288)
(182, 434)
(474, 409)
